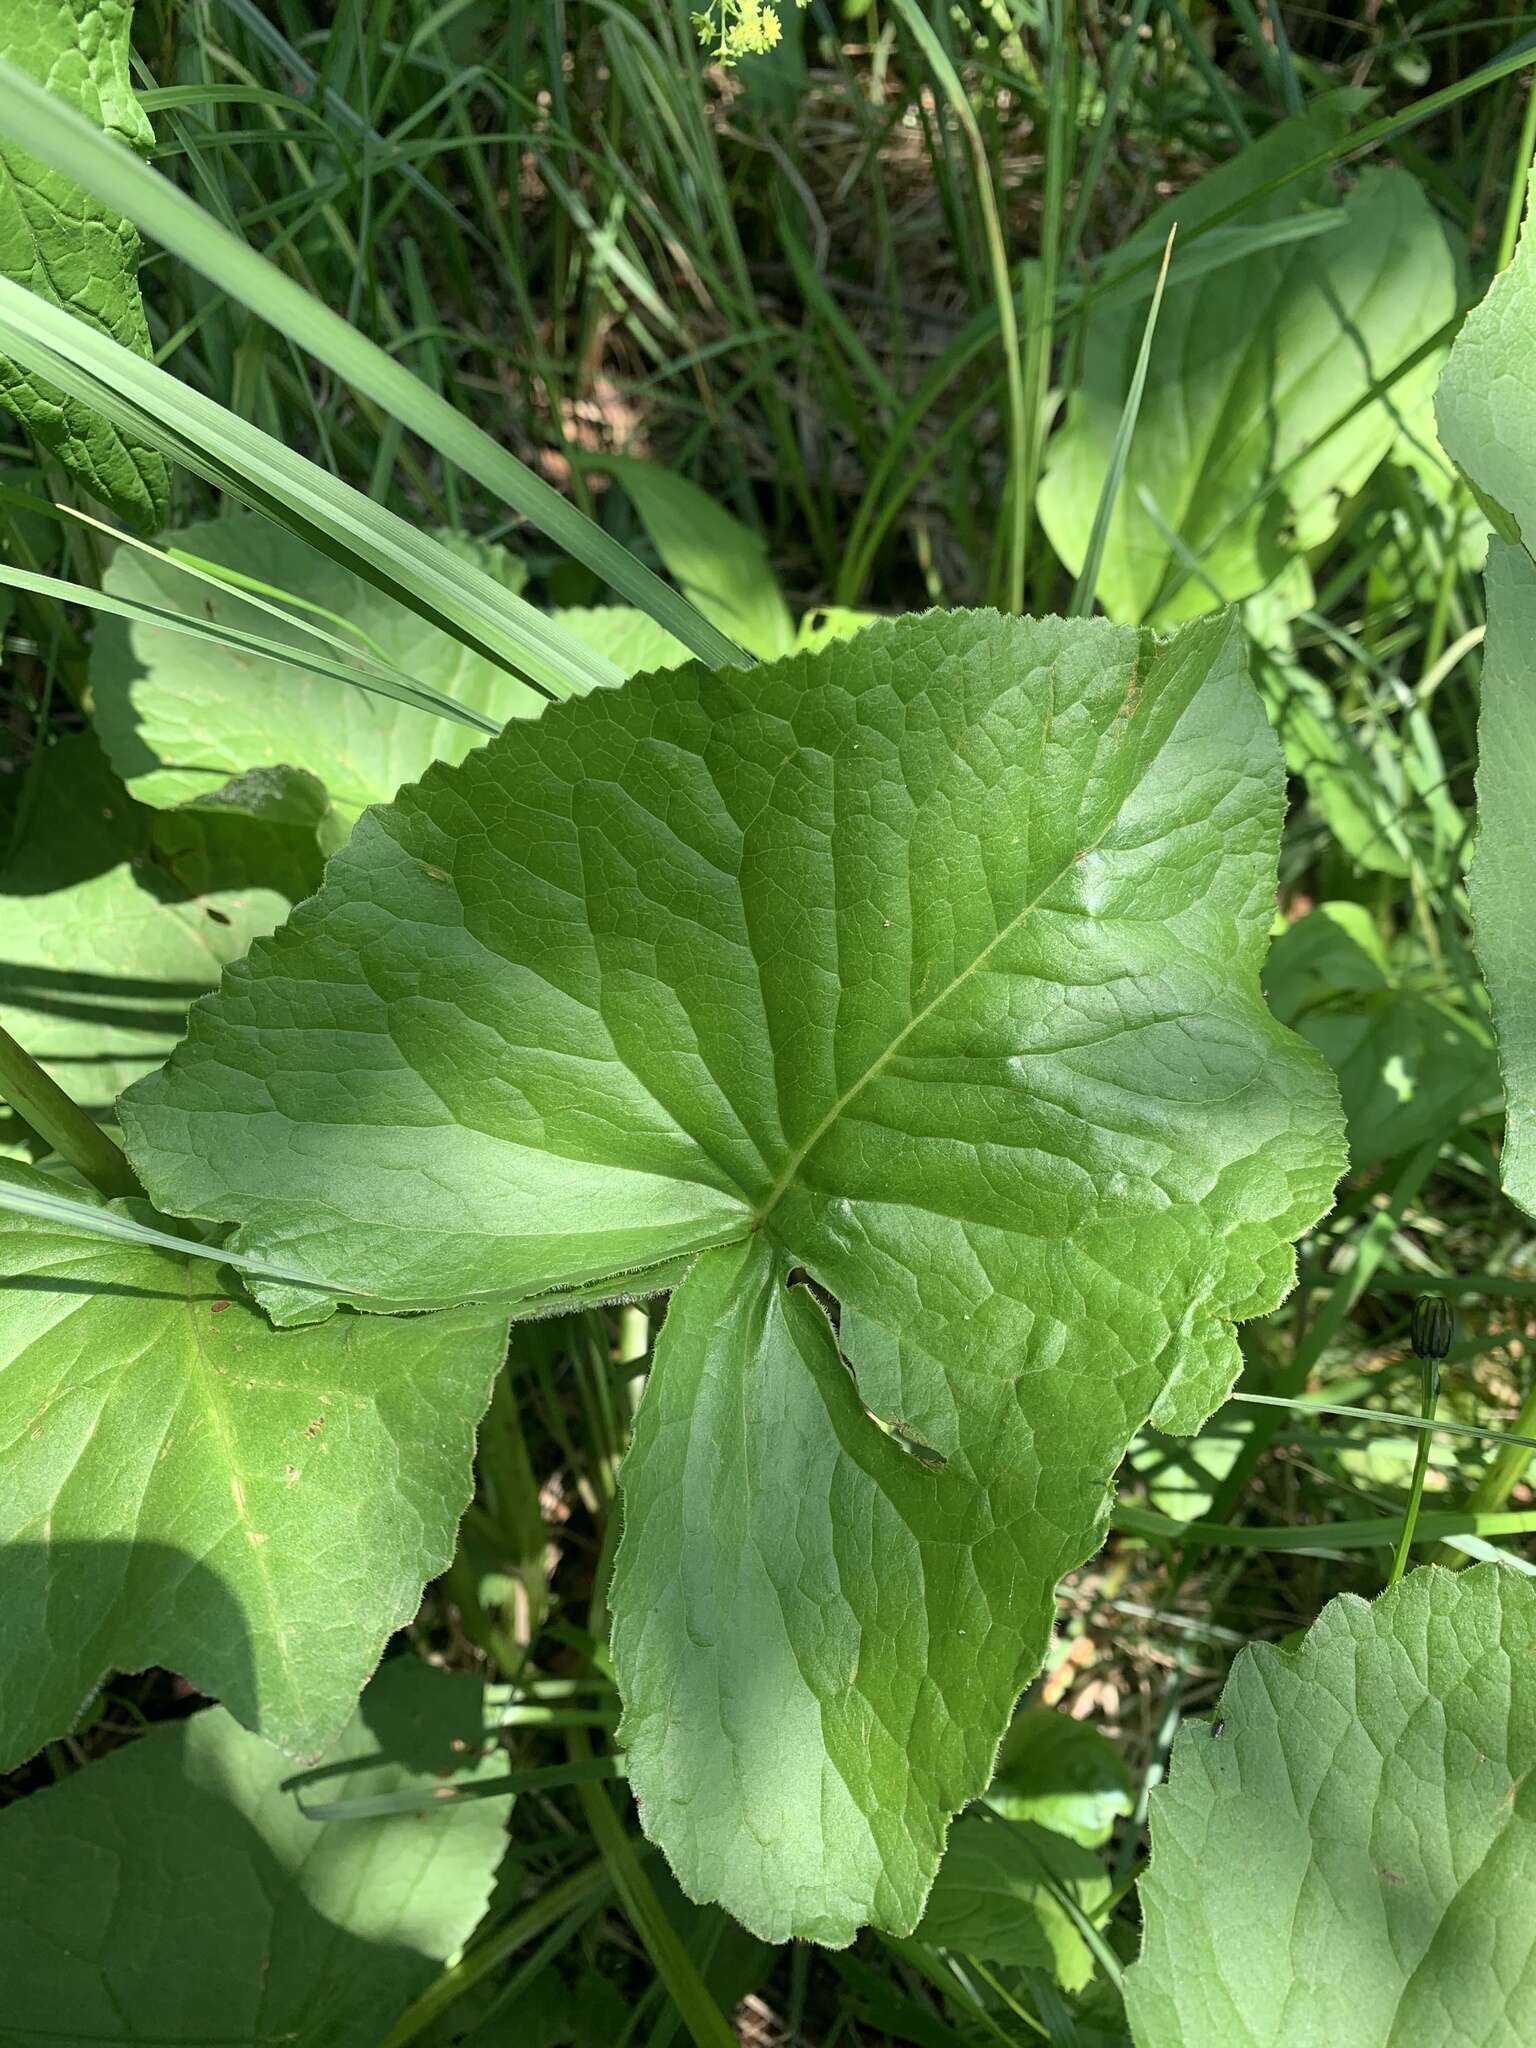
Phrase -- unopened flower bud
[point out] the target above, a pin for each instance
(1433, 1327)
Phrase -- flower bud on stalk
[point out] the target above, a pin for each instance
(1433, 1328)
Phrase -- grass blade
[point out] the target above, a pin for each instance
(70, 144)
(336, 110)
(581, 1894)
(1416, 1486)
(1018, 493)
(1121, 281)
(265, 597)
(264, 473)
(672, 1962)
(1119, 453)
(91, 1220)
(362, 676)
(1380, 1532)
(1370, 1248)
(1215, 84)
(1127, 51)
(423, 1798)
(1420, 1425)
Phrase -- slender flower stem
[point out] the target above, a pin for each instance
(1420, 1467)
(1433, 1331)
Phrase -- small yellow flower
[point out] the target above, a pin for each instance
(739, 28)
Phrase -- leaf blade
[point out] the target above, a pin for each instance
(112, 920)
(1262, 407)
(322, 1933)
(1381, 1764)
(83, 257)
(1033, 1128)
(760, 1749)
(184, 1485)
(1487, 422)
(720, 565)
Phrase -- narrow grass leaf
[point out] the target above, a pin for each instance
(1379, 1532)
(43, 1204)
(265, 473)
(1120, 448)
(358, 675)
(1018, 494)
(451, 1791)
(66, 140)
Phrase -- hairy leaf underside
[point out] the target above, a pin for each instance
(1347, 1853)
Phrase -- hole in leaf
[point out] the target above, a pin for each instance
(828, 1303)
(900, 1433)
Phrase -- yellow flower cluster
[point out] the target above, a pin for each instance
(739, 28)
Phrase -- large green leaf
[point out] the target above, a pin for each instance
(1486, 409)
(112, 919)
(61, 243)
(180, 720)
(181, 1484)
(1258, 417)
(927, 963)
(172, 1892)
(1410, 1063)
(1485, 403)
(1346, 1857)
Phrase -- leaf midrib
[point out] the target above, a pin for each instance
(882, 1060)
(202, 1377)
